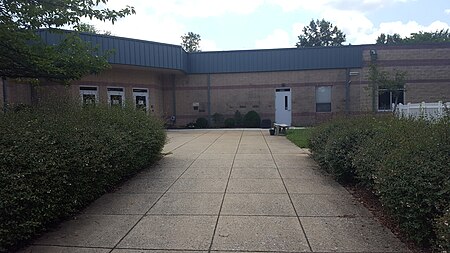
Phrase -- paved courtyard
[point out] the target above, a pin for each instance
(225, 191)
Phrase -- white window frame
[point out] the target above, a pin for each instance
(115, 93)
(146, 94)
(88, 92)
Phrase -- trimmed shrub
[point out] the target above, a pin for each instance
(252, 119)
(54, 161)
(201, 123)
(238, 119)
(218, 119)
(229, 123)
(413, 179)
(404, 162)
(442, 228)
(318, 141)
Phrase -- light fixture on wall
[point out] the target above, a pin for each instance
(353, 73)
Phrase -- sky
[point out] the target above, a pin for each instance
(263, 24)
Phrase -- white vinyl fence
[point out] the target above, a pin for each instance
(428, 111)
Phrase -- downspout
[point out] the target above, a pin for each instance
(174, 101)
(5, 96)
(209, 99)
(347, 91)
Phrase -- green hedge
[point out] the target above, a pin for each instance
(55, 161)
(404, 162)
(252, 119)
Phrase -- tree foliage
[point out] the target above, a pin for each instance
(191, 42)
(390, 82)
(420, 37)
(320, 33)
(24, 54)
(88, 28)
(389, 39)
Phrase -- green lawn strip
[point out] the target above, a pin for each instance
(299, 136)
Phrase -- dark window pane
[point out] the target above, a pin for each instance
(88, 88)
(400, 95)
(141, 103)
(384, 100)
(89, 99)
(323, 107)
(115, 89)
(116, 100)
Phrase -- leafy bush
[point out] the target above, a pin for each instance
(318, 141)
(442, 228)
(229, 123)
(252, 119)
(238, 119)
(55, 161)
(412, 181)
(201, 123)
(218, 119)
(404, 162)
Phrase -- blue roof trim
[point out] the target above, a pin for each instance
(159, 55)
(276, 60)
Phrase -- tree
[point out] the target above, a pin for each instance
(394, 39)
(24, 54)
(191, 42)
(88, 28)
(420, 37)
(437, 36)
(389, 82)
(320, 33)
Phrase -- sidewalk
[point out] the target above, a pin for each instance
(225, 191)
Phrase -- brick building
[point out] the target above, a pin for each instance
(301, 86)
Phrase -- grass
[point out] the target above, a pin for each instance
(299, 136)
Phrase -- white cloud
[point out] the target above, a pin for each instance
(145, 28)
(208, 45)
(353, 23)
(321, 5)
(277, 39)
(201, 8)
(404, 29)
(290, 5)
(163, 21)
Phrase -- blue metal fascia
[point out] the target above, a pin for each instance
(159, 55)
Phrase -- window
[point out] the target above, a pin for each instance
(140, 99)
(323, 99)
(116, 96)
(88, 95)
(387, 98)
(195, 106)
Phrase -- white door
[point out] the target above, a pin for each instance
(283, 106)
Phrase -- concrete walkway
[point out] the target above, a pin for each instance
(225, 191)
